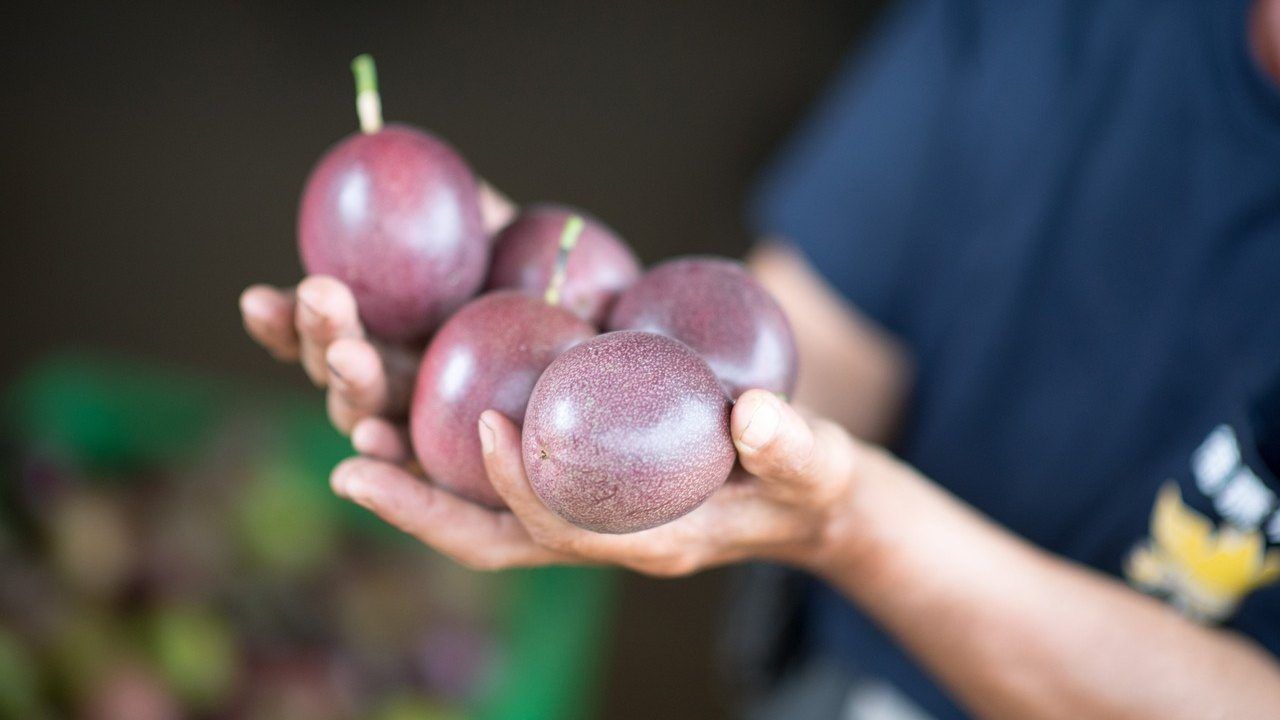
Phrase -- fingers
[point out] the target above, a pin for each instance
(782, 449)
(500, 445)
(326, 312)
(735, 522)
(268, 318)
(320, 325)
(496, 209)
(358, 385)
(381, 439)
(355, 370)
(474, 536)
(649, 552)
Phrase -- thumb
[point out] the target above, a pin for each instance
(777, 445)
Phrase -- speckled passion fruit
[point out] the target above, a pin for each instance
(627, 431)
(486, 357)
(714, 306)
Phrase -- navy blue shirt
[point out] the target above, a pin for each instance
(1070, 213)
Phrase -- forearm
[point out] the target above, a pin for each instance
(1014, 632)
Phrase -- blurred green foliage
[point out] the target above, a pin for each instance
(195, 651)
(170, 546)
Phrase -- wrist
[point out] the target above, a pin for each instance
(870, 520)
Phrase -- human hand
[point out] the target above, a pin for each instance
(789, 502)
(317, 324)
(369, 383)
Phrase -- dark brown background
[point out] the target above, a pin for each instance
(152, 159)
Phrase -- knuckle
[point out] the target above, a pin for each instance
(537, 533)
(349, 350)
(592, 546)
(793, 466)
(781, 465)
(548, 538)
(576, 543)
(315, 325)
(811, 465)
(341, 415)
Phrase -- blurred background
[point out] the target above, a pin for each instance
(168, 546)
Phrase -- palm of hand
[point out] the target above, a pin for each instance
(777, 505)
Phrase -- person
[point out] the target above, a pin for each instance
(1034, 250)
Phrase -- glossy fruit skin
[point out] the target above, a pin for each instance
(486, 357)
(600, 266)
(396, 216)
(627, 431)
(714, 306)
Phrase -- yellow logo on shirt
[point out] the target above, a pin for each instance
(1203, 570)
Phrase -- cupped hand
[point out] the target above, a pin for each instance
(317, 324)
(368, 383)
(789, 502)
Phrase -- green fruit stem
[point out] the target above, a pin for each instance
(568, 240)
(368, 102)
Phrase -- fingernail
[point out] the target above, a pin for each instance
(762, 425)
(486, 437)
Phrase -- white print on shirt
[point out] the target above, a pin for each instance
(1215, 459)
(1238, 494)
(1244, 500)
